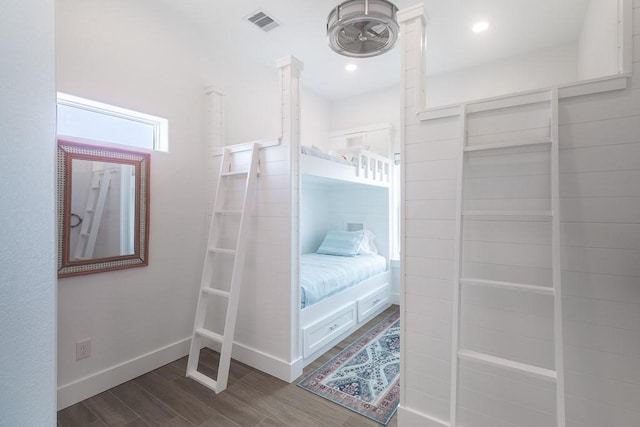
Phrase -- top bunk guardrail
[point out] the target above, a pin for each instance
(364, 167)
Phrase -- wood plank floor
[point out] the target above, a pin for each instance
(165, 397)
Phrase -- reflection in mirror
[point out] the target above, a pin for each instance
(103, 208)
(103, 203)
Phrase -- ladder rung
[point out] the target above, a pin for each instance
(544, 290)
(209, 334)
(203, 379)
(229, 212)
(217, 292)
(511, 144)
(223, 251)
(546, 214)
(235, 173)
(512, 365)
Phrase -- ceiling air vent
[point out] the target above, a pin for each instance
(263, 21)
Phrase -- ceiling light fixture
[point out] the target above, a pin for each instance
(363, 28)
(479, 27)
(351, 67)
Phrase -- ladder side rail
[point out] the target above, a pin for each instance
(457, 270)
(556, 261)
(238, 268)
(207, 269)
(89, 211)
(97, 215)
(218, 200)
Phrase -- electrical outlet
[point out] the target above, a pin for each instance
(83, 349)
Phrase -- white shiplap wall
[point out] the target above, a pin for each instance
(266, 331)
(600, 238)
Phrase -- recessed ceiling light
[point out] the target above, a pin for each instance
(351, 67)
(479, 27)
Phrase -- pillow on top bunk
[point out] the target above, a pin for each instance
(341, 243)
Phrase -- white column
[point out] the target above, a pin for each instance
(413, 66)
(290, 71)
(413, 45)
(215, 134)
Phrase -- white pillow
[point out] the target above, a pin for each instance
(368, 246)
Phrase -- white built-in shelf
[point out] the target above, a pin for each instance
(209, 334)
(217, 292)
(513, 213)
(543, 290)
(203, 379)
(223, 251)
(511, 365)
(508, 144)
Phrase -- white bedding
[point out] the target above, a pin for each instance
(327, 156)
(325, 275)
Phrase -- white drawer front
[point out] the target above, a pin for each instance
(328, 328)
(368, 304)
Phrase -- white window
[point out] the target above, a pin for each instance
(86, 119)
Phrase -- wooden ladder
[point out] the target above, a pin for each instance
(209, 287)
(93, 213)
(555, 376)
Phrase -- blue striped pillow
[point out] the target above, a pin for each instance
(341, 243)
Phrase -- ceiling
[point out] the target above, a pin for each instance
(517, 27)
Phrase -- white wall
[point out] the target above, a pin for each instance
(325, 206)
(135, 55)
(381, 106)
(27, 256)
(314, 200)
(600, 254)
(530, 71)
(315, 120)
(598, 44)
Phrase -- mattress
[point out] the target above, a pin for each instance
(325, 275)
(317, 153)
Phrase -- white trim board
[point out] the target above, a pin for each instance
(279, 368)
(587, 87)
(83, 388)
(410, 418)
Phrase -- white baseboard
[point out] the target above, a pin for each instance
(264, 362)
(410, 418)
(83, 388)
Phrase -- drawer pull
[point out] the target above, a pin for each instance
(375, 301)
(334, 327)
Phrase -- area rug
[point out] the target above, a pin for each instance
(365, 376)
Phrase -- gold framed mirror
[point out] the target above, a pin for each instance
(103, 208)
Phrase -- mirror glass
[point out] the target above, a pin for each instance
(103, 208)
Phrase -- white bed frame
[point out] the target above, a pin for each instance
(371, 168)
(330, 320)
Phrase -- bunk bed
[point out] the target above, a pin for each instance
(346, 280)
(356, 164)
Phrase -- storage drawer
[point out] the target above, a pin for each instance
(370, 303)
(320, 333)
